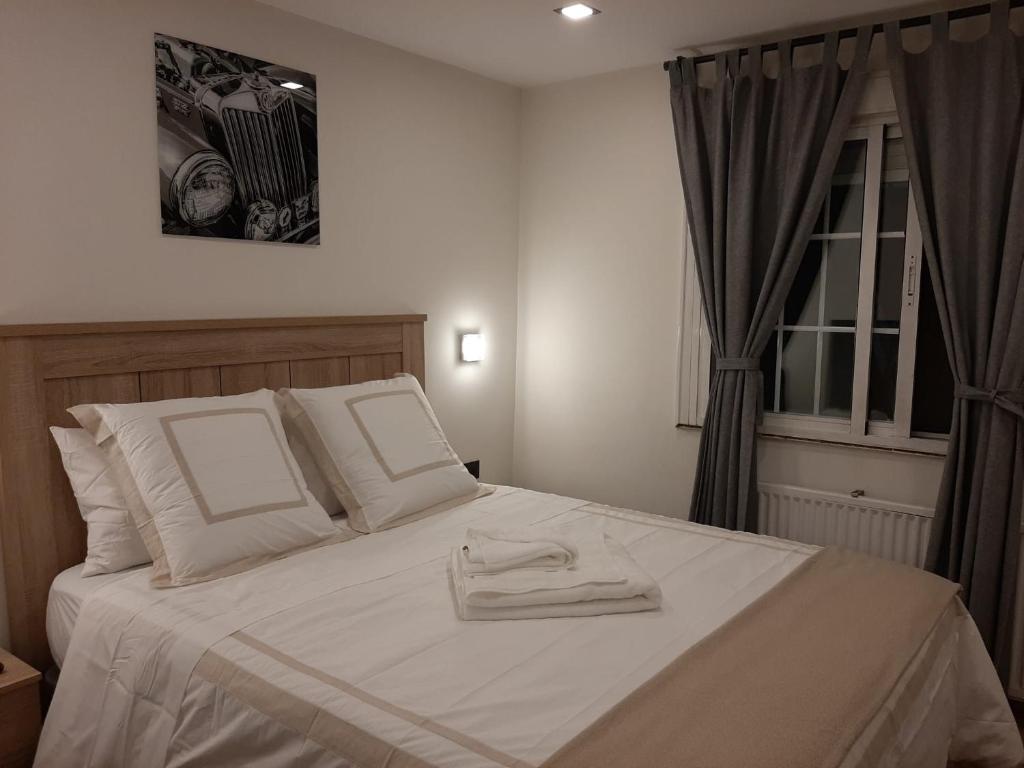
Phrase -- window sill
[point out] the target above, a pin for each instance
(915, 446)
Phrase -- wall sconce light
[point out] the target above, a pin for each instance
(472, 347)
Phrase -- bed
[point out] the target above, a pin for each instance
(351, 654)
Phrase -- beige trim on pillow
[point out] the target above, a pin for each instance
(193, 485)
(92, 422)
(137, 508)
(248, 563)
(393, 476)
(292, 409)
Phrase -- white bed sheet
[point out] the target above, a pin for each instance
(364, 634)
(70, 590)
(67, 594)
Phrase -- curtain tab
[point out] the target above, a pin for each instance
(831, 54)
(940, 28)
(733, 57)
(681, 71)
(689, 72)
(756, 62)
(864, 37)
(1000, 16)
(785, 56)
(675, 73)
(721, 66)
(1011, 400)
(893, 41)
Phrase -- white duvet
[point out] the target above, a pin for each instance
(275, 666)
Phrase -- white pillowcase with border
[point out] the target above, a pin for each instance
(112, 540)
(210, 482)
(381, 449)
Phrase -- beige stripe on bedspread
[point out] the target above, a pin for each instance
(790, 682)
(332, 733)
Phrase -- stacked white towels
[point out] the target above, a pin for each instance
(501, 550)
(545, 572)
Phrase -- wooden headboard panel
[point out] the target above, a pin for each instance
(44, 369)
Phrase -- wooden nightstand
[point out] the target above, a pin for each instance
(20, 713)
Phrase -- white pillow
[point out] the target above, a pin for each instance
(315, 480)
(113, 542)
(210, 483)
(381, 449)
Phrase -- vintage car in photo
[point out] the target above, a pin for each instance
(237, 146)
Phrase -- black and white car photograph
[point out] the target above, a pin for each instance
(237, 145)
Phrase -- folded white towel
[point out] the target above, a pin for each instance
(493, 551)
(560, 611)
(595, 566)
(605, 580)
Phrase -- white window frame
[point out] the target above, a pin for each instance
(695, 344)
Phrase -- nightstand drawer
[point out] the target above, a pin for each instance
(20, 721)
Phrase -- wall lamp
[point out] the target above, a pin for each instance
(471, 347)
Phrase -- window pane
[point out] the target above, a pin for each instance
(836, 374)
(885, 350)
(799, 352)
(804, 296)
(892, 214)
(842, 276)
(933, 381)
(851, 158)
(889, 282)
(768, 360)
(846, 199)
(894, 157)
(846, 207)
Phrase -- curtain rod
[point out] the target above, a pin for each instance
(917, 21)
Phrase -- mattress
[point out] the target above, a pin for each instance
(352, 654)
(67, 594)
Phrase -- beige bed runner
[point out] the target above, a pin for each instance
(790, 682)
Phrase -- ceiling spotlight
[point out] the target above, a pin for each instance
(577, 11)
(291, 85)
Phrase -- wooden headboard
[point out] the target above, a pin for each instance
(44, 369)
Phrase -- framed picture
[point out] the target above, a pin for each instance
(237, 145)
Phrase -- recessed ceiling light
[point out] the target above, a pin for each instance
(577, 11)
(291, 85)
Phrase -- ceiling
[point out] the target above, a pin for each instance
(523, 43)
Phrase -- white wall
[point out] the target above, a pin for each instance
(599, 305)
(419, 191)
(601, 228)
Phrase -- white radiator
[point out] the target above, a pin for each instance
(882, 528)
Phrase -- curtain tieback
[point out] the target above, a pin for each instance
(1011, 400)
(752, 364)
(738, 364)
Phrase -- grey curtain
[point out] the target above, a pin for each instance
(961, 105)
(756, 155)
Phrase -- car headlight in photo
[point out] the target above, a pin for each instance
(202, 188)
(261, 220)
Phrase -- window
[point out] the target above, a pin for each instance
(857, 354)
